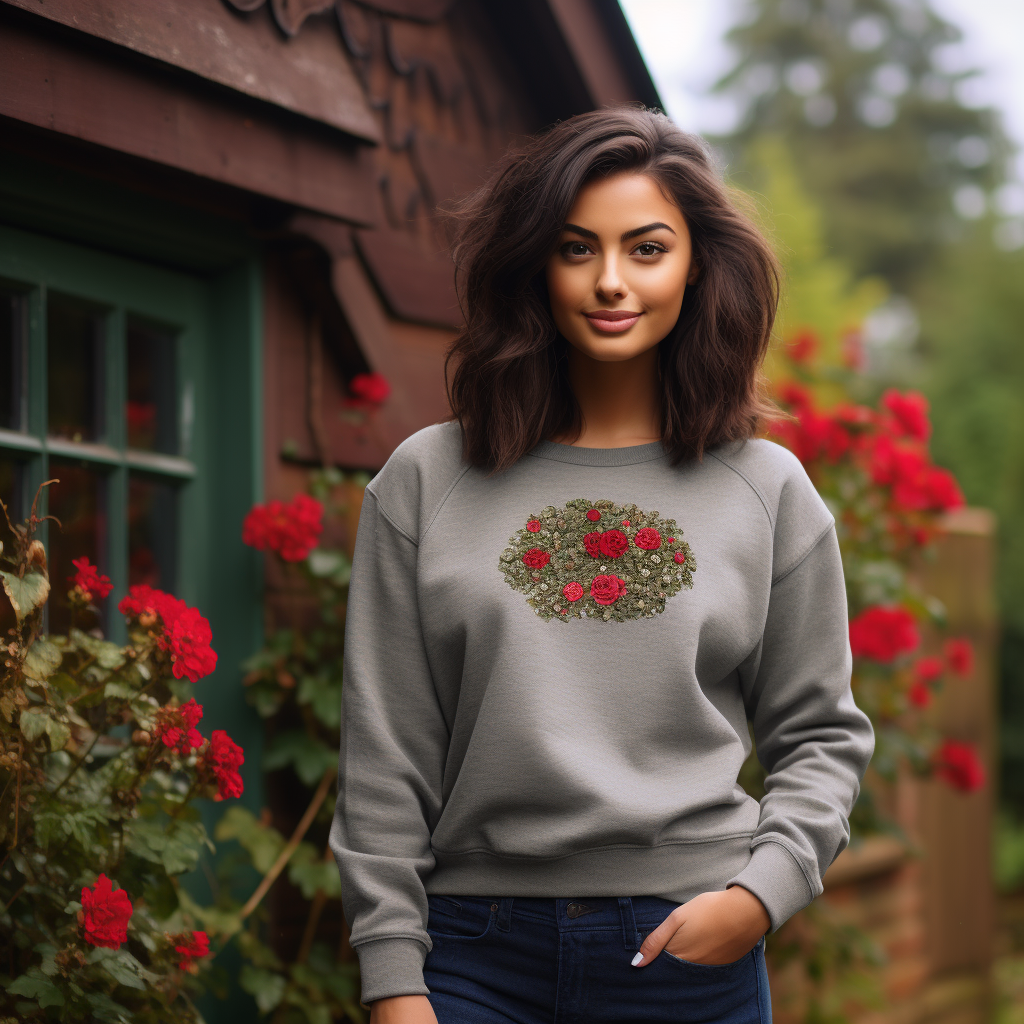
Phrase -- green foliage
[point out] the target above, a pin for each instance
(828, 77)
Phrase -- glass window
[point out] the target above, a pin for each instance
(150, 408)
(152, 531)
(13, 357)
(79, 503)
(75, 332)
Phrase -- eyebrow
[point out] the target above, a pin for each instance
(626, 235)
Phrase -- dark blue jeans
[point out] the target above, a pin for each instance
(529, 960)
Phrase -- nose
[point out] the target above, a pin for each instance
(610, 284)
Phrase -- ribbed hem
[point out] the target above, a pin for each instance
(776, 879)
(675, 871)
(628, 456)
(391, 967)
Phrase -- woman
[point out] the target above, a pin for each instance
(567, 604)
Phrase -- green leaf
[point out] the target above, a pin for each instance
(122, 967)
(63, 682)
(35, 985)
(324, 696)
(42, 660)
(118, 690)
(309, 871)
(262, 842)
(174, 844)
(108, 655)
(33, 723)
(265, 987)
(27, 593)
(309, 757)
(105, 1010)
(59, 734)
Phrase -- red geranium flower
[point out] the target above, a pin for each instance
(88, 578)
(919, 694)
(292, 528)
(572, 591)
(192, 947)
(536, 558)
(680, 557)
(177, 727)
(909, 413)
(883, 633)
(369, 388)
(958, 764)
(105, 914)
(648, 538)
(592, 542)
(533, 526)
(607, 589)
(593, 515)
(960, 656)
(143, 602)
(188, 640)
(803, 347)
(222, 759)
(927, 670)
(613, 543)
(795, 395)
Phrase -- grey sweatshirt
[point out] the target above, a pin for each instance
(549, 674)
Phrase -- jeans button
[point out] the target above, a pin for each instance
(573, 910)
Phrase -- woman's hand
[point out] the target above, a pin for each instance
(713, 928)
(402, 1010)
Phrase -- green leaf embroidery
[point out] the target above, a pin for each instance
(26, 593)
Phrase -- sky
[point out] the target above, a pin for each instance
(684, 46)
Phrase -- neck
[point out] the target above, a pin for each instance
(619, 401)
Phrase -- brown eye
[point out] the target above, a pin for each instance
(575, 249)
(649, 249)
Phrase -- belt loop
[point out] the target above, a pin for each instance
(630, 936)
(505, 913)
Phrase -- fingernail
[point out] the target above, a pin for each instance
(638, 959)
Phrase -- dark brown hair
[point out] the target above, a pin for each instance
(510, 387)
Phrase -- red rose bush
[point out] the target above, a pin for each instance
(103, 754)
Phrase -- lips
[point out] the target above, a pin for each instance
(612, 321)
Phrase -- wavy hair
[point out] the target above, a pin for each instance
(507, 371)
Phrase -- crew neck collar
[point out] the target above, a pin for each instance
(628, 456)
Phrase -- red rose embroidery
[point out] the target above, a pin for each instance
(613, 543)
(671, 540)
(648, 539)
(592, 542)
(593, 515)
(535, 558)
(625, 524)
(533, 526)
(680, 557)
(607, 589)
(572, 591)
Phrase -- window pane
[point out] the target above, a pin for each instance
(79, 502)
(151, 411)
(74, 367)
(152, 532)
(13, 357)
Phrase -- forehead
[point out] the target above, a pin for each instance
(623, 201)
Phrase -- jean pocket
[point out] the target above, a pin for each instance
(460, 917)
(714, 967)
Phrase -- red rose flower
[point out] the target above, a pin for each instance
(291, 529)
(613, 543)
(593, 515)
(927, 670)
(572, 591)
(919, 694)
(369, 388)
(943, 491)
(680, 557)
(607, 589)
(795, 395)
(670, 540)
(959, 656)
(88, 578)
(649, 539)
(222, 760)
(177, 727)
(909, 413)
(188, 640)
(536, 558)
(803, 347)
(958, 764)
(105, 914)
(533, 526)
(592, 542)
(883, 633)
(192, 947)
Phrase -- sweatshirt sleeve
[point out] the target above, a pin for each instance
(393, 747)
(811, 738)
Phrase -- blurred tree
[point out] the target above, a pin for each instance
(868, 96)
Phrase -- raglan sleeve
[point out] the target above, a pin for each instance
(394, 741)
(811, 738)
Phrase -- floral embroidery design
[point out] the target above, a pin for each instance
(598, 560)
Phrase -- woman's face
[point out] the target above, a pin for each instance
(623, 260)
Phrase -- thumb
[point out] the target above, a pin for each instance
(658, 939)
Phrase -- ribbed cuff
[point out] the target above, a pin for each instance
(391, 967)
(776, 879)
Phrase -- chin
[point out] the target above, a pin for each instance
(614, 350)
